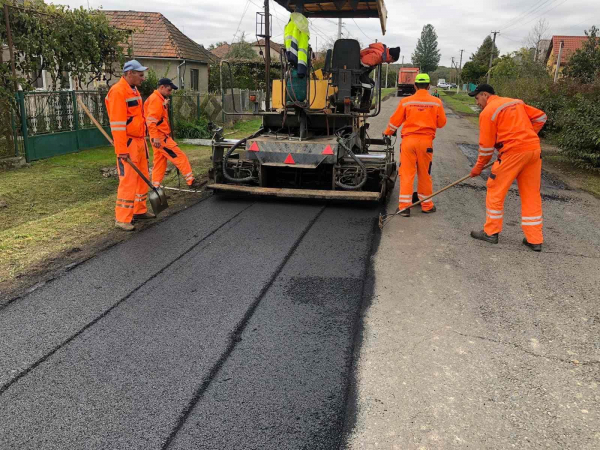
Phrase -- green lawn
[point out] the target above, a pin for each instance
(58, 204)
(460, 103)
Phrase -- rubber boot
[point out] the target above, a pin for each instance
(534, 247)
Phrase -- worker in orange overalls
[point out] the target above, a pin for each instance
(128, 127)
(420, 115)
(370, 58)
(165, 148)
(511, 127)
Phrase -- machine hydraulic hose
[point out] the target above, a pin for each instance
(233, 148)
(361, 165)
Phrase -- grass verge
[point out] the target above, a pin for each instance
(60, 210)
(460, 103)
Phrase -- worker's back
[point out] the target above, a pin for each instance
(423, 114)
(157, 117)
(511, 123)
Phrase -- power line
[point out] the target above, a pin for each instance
(546, 12)
(240, 23)
(538, 16)
(369, 38)
(517, 18)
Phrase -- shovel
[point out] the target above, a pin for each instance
(384, 219)
(157, 197)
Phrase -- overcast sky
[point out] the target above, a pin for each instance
(460, 24)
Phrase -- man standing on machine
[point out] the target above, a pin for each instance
(128, 128)
(420, 115)
(165, 148)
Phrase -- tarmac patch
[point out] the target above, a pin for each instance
(320, 291)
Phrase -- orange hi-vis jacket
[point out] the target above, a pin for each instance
(420, 114)
(375, 54)
(157, 116)
(124, 107)
(510, 126)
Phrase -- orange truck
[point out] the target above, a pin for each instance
(406, 80)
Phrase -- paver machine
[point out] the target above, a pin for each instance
(314, 140)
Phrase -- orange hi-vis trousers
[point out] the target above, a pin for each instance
(133, 191)
(526, 168)
(170, 151)
(416, 157)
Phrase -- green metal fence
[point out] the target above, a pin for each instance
(51, 123)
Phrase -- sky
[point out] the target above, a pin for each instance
(460, 24)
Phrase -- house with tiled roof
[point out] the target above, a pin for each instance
(221, 51)
(259, 46)
(568, 44)
(158, 44)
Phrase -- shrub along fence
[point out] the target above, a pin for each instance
(51, 123)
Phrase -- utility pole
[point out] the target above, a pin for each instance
(452, 65)
(556, 72)
(459, 73)
(340, 28)
(387, 69)
(492, 55)
(267, 57)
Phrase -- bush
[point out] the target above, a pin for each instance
(197, 129)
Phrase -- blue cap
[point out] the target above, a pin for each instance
(134, 65)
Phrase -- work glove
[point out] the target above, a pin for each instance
(476, 171)
(123, 156)
(156, 143)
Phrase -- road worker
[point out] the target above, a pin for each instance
(419, 115)
(165, 148)
(370, 58)
(128, 128)
(511, 127)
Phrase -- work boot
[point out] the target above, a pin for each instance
(124, 226)
(429, 211)
(405, 213)
(534, 247)
(146, 216)
(482, 236)
(196, 184)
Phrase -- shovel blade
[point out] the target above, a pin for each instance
(158, 200)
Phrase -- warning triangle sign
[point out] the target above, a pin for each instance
(328, 150)
(289, 159)
(253, 147)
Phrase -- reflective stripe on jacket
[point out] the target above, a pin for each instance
(297, 36)
(509, 125)
(126, 115)
(419, 114)
(375, 54)
(157, 116)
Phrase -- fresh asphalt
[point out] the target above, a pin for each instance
(231, 325)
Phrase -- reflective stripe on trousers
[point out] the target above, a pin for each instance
(526, 168)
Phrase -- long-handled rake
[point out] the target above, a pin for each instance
(385, 218)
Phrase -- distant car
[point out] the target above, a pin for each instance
(452, 86)
(443, 85)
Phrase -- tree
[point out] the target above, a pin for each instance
(59, 40)
(584, 64)
(538, 33)
(426, 55)
(242, 50)
(482, 55)
(474, 70)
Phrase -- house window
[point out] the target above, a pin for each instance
(195, 73)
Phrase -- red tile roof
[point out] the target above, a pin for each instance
(156, 37)
(221, 51)
(274, 45)
(571, 44)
